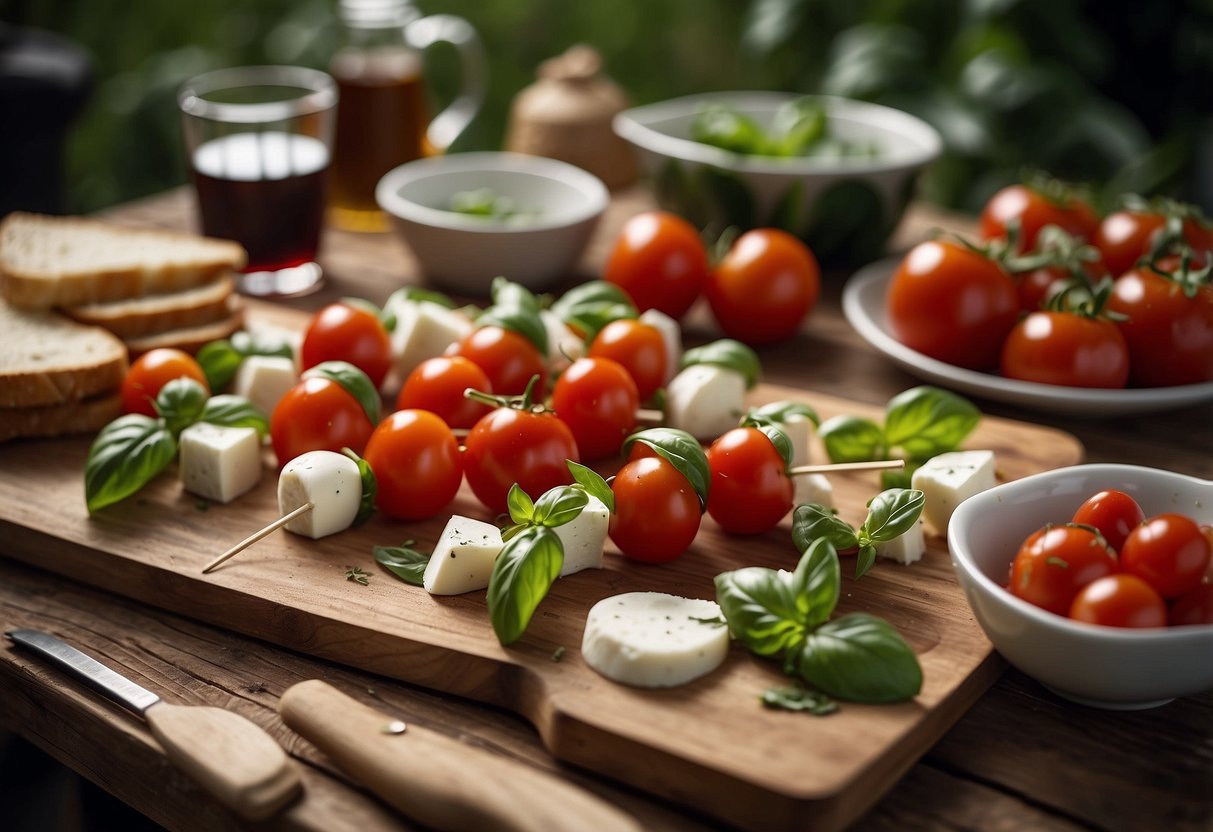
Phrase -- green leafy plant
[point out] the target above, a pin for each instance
(221, 359)
(592, 305)
(891, 513)
(522, 575)
(403, 561)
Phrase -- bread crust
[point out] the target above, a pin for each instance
(138, 317)
(87, 416)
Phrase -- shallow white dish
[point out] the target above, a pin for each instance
(1106, 667)
(863, 303)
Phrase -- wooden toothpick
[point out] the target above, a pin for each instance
(829, 468)
(257, 535)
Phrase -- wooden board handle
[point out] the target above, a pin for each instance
(436, 780)
(229, 756)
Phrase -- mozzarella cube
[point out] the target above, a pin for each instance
(463, 558)
(799, 429)
(564, 347)
(424, 330)
(583, 537)
(671, 338)
(948, 480)
(265, 379)
(812, 488)
(705, 400)
(907, 548)
(330, 482)
(219, 463)
(654, 640)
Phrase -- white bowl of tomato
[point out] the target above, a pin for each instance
(1112, 664)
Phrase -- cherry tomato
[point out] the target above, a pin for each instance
(416, 462)
(763, 288)
(751, 491)
(1034, 210)
(1191, 608)
(516, 446)
(657, 511)
(1114, 513)
(953, 304)
(1057, 561)
(508, 359)
(637, 346)
(597, 399)
(317, 414)
(340, 332)
(1068, 349)
(153, 370)
(660, 261)
(1169, 552)
(1170, 335)
(1124, 237)
(437, 385)
(1119, 601)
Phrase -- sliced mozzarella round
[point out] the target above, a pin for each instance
(654, 640)
(330, 482)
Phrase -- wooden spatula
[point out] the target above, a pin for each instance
(229, 756)
(441, 782)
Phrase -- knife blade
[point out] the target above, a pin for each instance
(229, 756)
(439, 781)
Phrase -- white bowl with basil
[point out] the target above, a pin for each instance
(470, 217)
(843, 191)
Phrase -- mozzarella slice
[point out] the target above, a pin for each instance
(463, 558)
(328, 480)
(265, 379)
(671, 338)
(583, 537)
(948, 480)
(812, 488)
(654, 640)
(219, 463)
(907, 549)
(424, 330)
(705, 400)
(564, 347)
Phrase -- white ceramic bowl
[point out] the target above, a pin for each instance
(844, 209)
(1103, 666)
(463, 253)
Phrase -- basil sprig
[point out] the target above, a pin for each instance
(786, 615)
(556, 506)
(180, 403)
(729, 354)
(370, 487)
(522, 575)
(919, 423)
(353, 381)
(221, 359)
(515, 308)
(592, 305)
(403, 561)
(778, 414)
(681, 450)
(126, 455)
(234, 412)
(891, 513)
(415, 294)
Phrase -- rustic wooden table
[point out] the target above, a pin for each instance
(1020, 759)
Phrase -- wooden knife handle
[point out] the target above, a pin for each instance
(439, 781)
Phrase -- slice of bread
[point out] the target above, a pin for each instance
(87, 416)
(193, 338)
(148, 315)
(68, 261)
(47, 359)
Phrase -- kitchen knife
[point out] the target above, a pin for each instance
(229, 756)
(439, 781)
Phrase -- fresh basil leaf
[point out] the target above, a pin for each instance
(219, 361)
(559, 505)
(796, 697)
(403, 561)
(681, 450)
(899, 477)
(760, 606)
(860, 658)
(814, 521)
(891, 513)
(779, 438)
(125, 456)
(353, 381)
(593, 483)
(522, 575)
(816, 583)
(180, 403)
(519, 505)
(234, 412)
(865, 559)
(852, 439)
(505, 292)
(779, 413)
(370, 487)
(591, 306)
(727, 353)
(261, 343)
(525, 321)
(418, 295)
(925, 421)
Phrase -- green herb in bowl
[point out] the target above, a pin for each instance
(487, 203)
(799, 128)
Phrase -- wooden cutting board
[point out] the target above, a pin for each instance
(709, 745)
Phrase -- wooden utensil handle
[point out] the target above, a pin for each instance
(436, 780)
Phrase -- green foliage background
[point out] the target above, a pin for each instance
(1113, 93)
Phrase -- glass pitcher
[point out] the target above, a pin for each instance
(383, 117)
